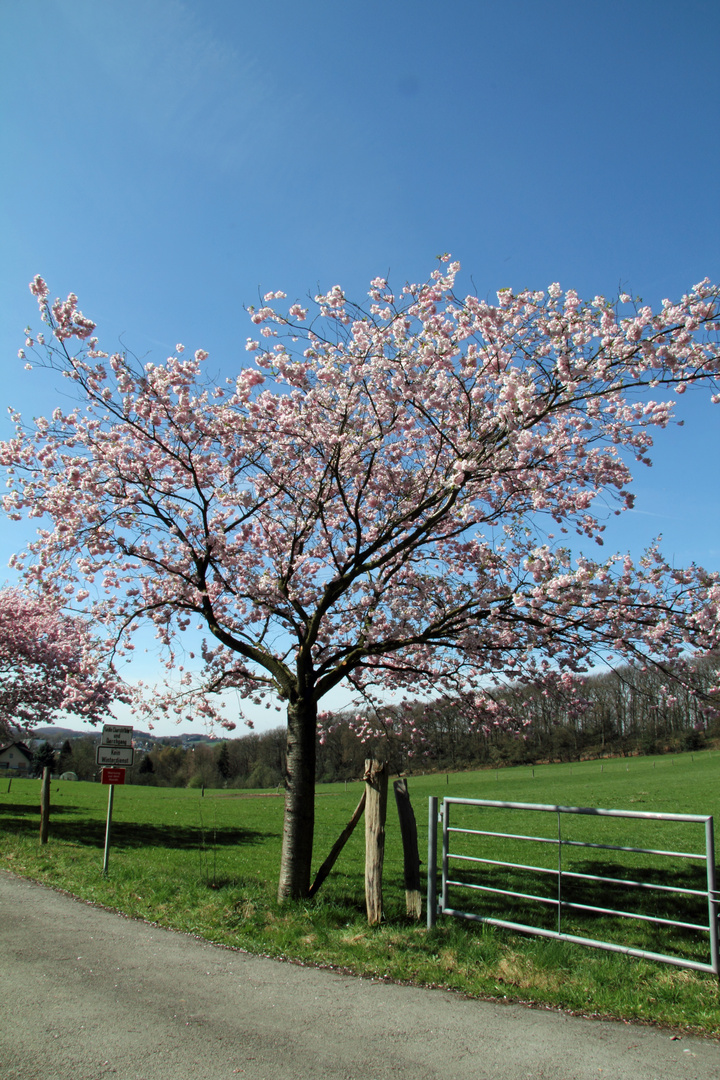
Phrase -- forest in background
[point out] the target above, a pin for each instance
(618, 713)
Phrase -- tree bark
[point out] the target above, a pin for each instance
(299, 822)
(45, 806)
(338, 846)
(411, 855)
(376, 780)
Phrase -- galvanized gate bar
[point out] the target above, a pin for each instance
(713, 906)
(579, 843)
(571, 904)
(650, 815)
(713, 898)
(553, 900)
(609, 946)
(584, 877)
(431, 905)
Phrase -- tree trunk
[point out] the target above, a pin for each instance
(376, 779)
(298, 826)
(411, 855)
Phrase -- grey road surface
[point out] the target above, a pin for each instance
(86, 994)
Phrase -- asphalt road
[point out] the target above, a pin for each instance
(86, 994)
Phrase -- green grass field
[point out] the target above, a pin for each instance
(208, 865)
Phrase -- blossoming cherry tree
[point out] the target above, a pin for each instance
(377, 498)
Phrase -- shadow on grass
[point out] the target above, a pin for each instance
(8, 808)
(129, 834)
(579, 896)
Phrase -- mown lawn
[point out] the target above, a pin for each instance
(208, 865)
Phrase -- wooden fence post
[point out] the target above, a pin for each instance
(337, 847)
(376, 780)
(411, 855)
(45, 806)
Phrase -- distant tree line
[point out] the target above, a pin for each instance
(617, 713)
(252, 761)
(629, 711)
(613, 714)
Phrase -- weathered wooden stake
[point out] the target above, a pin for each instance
(45, 805)
(411, 855)
(376, 781)
(337, 847)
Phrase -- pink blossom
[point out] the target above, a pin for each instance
(49, 665)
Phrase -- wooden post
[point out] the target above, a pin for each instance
(376, 780)
(411, 855)
(45, 806)
(337, 847)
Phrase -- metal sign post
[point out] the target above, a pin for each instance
(115, 750)
(108, 825)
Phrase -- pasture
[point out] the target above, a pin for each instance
(208, 866)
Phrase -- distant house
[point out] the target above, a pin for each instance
(15, 757)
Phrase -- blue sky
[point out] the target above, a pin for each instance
(169, 159)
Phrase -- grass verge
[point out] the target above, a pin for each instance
(208, 866)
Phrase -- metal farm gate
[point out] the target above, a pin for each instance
(472, 868)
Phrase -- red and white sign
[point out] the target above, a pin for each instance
(113, 776)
